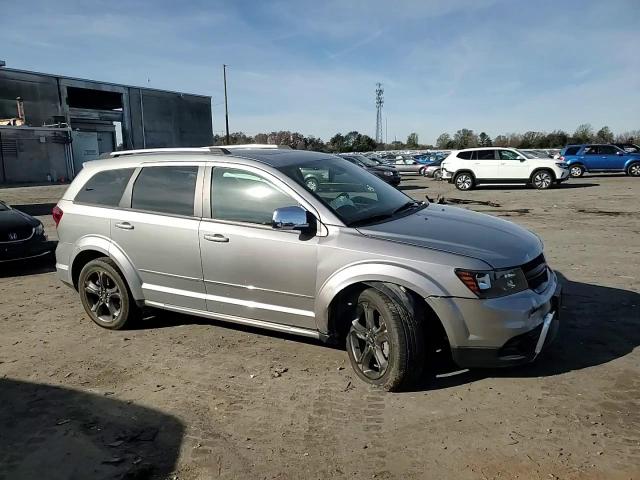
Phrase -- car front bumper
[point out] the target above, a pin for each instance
(36, 247)
(505, 331)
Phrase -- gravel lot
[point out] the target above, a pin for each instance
(183, 397)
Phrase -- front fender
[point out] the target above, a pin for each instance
(104, 245)
(418, 282)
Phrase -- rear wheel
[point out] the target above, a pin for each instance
(634, 169)
(576, 171)
(105, 295)
(422, 171)
(385, 342)
(312, 183)
(542, 179)
(437, 175)
(464, 181)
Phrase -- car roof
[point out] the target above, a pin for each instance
(485, 148)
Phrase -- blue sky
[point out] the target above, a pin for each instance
(311, 66)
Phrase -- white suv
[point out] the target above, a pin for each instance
(501, 166)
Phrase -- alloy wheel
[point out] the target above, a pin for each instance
(437, 174)
(542, 180)
(369, 341)
(464, 181)
(103, 296)
(576, 171)
(634, 170)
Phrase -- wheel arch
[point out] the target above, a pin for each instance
(92, 247)
(630, 162)
(339, 293)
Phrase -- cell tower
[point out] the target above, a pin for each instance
(379, 103)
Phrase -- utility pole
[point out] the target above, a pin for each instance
(226, 107)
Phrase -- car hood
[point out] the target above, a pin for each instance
(15, 220)
(455, 230)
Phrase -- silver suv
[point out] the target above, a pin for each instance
(237, 235)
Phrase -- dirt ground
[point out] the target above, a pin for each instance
(188, 398)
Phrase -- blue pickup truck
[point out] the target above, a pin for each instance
(600, 158)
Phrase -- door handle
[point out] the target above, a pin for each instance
(216, 238)
(124, 226)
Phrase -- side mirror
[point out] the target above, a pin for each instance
(522, 159)
(290, 218)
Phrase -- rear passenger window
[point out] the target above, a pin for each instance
(486, 155)
(572, 151)
(165, 189)
(464, 155)
(105, 188)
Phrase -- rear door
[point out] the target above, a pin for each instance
(513, 166)
(592, 158)
(486, 165)
(158, 231)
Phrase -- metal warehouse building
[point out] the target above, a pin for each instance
(50, 125)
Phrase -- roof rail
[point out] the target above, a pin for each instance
(256, 146)
(201, 150)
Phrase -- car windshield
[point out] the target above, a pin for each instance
(529, 154)
(356, 196)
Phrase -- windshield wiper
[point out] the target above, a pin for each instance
(406, 206)
(371, 219)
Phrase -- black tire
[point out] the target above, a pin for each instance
(312, 183)
(633, 170)
(437, 175)
(421, 171)
(464, 181)
(395, 335)
(105, 295)
(576, 170)
(542, 179)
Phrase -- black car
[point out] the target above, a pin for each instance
(628, 147)
(21, 235)
(387, 173)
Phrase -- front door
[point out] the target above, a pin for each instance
(513, 166)
(612, 157)
(251, 270)
(159, 235)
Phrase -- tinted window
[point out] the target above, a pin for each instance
(607, 150)
(486, 155)
(509, 155)
(591, 150)
(464, 155)
(242, 196)
(105, 188)
(165, 189)
(572, 150)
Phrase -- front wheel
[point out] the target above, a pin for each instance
(385, 342)
(634, 170)
(437, 175)
(542, 179)
(105, 296)
(464, 181)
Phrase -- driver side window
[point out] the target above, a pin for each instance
(242, 196)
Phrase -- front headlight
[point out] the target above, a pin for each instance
(387, 173)
(493, 283)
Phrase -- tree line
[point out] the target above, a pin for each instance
(465, 138)
(355, 141)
